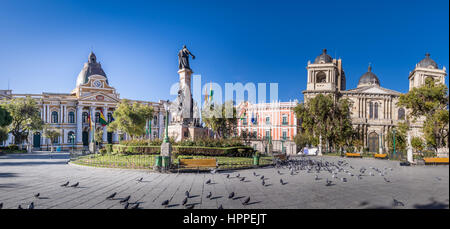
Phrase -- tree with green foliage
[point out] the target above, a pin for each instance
(323, 116)
(25, 117)
(417, 144)
(5, 117)
(401, 132)
(3, 134)
(131, 118)
(52, 135)
(221, 118)
(429, 101)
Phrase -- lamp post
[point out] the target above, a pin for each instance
(166, 108)
(394, 139)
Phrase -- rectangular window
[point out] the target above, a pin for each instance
(284, 135)
(285, 121)
(267, 120)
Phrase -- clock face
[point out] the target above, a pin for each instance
(97, 83)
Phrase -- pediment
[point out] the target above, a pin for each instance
(376, 90)
(99, 97)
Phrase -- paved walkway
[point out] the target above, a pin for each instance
(22, 176)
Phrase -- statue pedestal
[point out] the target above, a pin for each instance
(166, 154)
(92, 147)
(181, 132)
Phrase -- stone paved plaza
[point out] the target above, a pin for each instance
(22, 176)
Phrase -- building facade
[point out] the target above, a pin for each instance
(374, 112)
(68, 112)
(274, 121)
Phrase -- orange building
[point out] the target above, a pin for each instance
(268, 121)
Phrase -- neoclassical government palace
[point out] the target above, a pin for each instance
(374, 111)
(69, 112)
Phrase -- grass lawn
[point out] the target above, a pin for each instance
(117, 161)
(147, 161)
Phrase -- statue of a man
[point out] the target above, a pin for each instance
(183, 58)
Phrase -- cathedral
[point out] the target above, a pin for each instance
(68, 112)
(374, 112)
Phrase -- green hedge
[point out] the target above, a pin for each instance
(239, 151)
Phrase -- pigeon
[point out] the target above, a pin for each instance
(386, 180)
(438, 178)
(262, 177)
(37, 195)
(213, 171)
(184, 201)
(263, 183)
(111, 196)
(136, 206)
(228, 175)
(165, 203)
(231, 195)
(208, 181)
(238, 175)
(328, 182)
(279, 173)
(317, 177)
(398, 203)
(126, 205)
(209, 195)
(281, 182)
(344, 179)
(126, 199)
(190, 206)
(186, 194)
(65, 184)
(1, 205)
(220, 207)
(243, 178)
(140, 179)
(19, 207)
(246, 201)
(31, 206)
(75, 185)
(254, 174)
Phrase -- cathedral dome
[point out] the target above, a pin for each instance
(427, 62)
(368, 79)
(90, 68)
(323, 58)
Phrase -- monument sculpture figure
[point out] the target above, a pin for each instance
(183, 58)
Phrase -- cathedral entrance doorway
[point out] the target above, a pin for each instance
(373, 142)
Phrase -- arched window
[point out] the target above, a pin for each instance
(370, 110)
(155, 120)
(54, 117)
(85, 117)
(71, 137)
(321, 77)
(401, 114)
(376, 111)
(71, 117)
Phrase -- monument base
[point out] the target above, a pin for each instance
(182, 132)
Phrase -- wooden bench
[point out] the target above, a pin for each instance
(200, 162)
(436, 160)
(353, 155)
(282, 157)
(380, 155)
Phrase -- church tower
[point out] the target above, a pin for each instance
(427, 67)
(325, 76)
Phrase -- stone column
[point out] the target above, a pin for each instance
(61, 113)
(92, 112)
(105, 131)
(79, 121)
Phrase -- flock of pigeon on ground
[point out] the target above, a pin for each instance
(295, 165)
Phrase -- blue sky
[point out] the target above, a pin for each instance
(43, 44)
